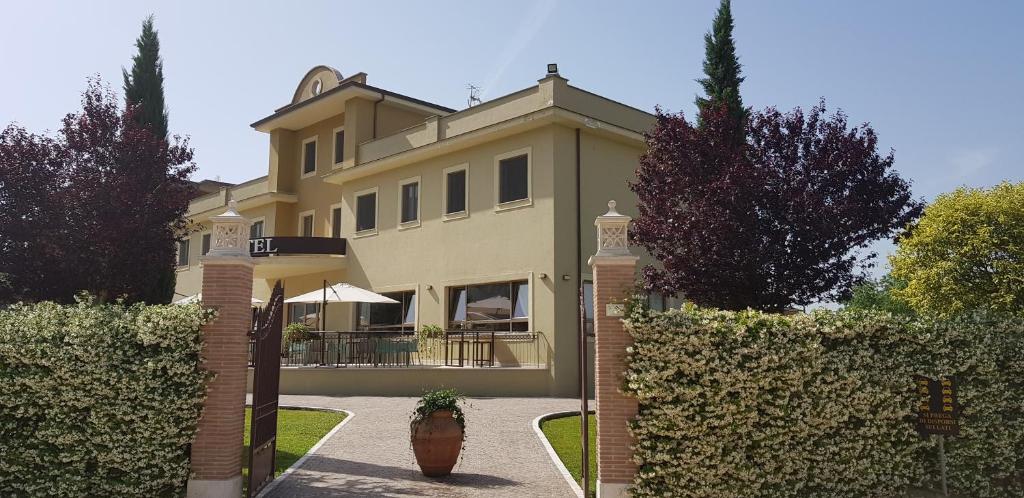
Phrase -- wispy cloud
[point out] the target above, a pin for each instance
(967, 162)
(524, 35)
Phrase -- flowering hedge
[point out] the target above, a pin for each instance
(822, 404)
(99, 400)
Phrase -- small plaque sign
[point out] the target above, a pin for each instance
(614, 309)
(938, 411)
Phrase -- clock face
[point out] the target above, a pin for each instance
(318, 87)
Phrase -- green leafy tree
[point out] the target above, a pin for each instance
(965, 254)
(144, 86)
(877, 295)
(722, 70)
(144, 91)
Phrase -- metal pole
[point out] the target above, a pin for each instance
(323, 308)
(942, 464)
(584, 411)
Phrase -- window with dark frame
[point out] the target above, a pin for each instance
(410, 202)
(309, 157)
(183, 252)
(400, 316)
(256, 230)
(588, 306)
(498, 307)
(336, 222)
(307, 313)
(206, 244)
(513, 179)
(339, 146)
(366, 212)
(455, 201)
(307, 225)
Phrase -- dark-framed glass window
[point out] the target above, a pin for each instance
(389, 316)
(588, 305)
(307, 313)
(501, 307)
(306, 230)
(336, 222)
(206, 243)
(309, 157)
(455, 189)
(514, 178)
(256, 230)
(366, 212)
(183, 252)
(339, 146)
(410, 202)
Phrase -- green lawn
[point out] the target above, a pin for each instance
(297, 432)
(564, 435)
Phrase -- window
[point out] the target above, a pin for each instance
(307, 313)
(588, 305)
(409, 202)
(366, 210)
(256, 229)
(183, 253)
(659, 302)
(496, 307)
(513, 177)
(336, 221)
(309, 157)
(389, 316)
(339, 145)
(206, 243)
(456, 191)
(306, 224)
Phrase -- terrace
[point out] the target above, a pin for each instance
(455, 348)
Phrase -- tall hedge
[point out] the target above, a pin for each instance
(99, 400)
(741, 404)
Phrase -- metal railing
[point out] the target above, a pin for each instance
(404, 349)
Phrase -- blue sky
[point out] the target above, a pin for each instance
(940, 81)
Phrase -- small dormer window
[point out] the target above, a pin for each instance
(317, 87)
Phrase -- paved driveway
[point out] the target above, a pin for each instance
(371, 456)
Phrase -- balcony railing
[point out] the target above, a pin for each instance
(404, 349)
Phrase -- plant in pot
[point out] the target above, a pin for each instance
(297, 335)
(425, 335)
(437, 431)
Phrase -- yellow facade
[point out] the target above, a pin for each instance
(391, 140)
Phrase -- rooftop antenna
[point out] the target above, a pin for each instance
(474, 95)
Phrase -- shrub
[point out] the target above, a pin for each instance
(99, 400)
(297, 332)
(753, 404)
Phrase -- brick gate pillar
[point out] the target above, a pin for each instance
(227, 286)
(614, 270)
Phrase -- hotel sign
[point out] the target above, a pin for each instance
(938, 411)
(276, 246)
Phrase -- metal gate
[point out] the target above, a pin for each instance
(265, 379)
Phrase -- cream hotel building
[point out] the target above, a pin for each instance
(478, 220)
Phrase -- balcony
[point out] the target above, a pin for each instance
(459, 349)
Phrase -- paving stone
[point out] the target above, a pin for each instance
(371, 455)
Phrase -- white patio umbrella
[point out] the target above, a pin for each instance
(339, 293)
(195, 298)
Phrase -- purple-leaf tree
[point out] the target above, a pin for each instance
(97, 208)
(781, 220)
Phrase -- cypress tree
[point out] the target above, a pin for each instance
(722, 69)
(144, 86)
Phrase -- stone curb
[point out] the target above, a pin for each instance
(298, 463)
(551, 451)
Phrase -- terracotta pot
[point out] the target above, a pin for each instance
(436, 442)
